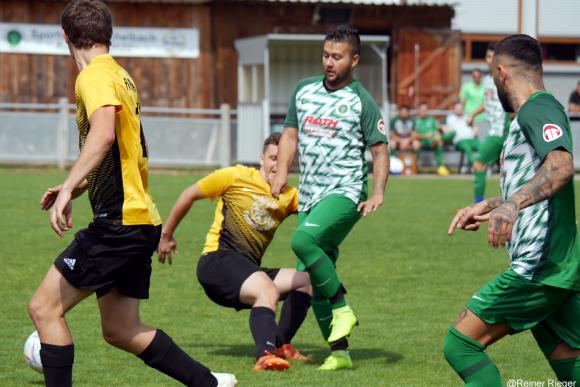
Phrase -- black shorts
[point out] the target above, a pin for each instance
(104, 256)
(221, 274)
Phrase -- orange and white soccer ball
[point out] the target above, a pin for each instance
(32, 352)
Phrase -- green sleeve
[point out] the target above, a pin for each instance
(291, 120)
(372, 122)
(546, 127)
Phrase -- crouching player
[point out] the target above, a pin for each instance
(229, 269)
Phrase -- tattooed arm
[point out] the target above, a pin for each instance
(554, 173)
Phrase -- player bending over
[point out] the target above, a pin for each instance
(229, 269)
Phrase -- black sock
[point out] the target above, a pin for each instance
(340, 345)
(339, 296)
(57, 362)
(264, 329)
(294, 311)
(165, 356)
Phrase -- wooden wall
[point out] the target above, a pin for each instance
(206, 81)
(161, 81)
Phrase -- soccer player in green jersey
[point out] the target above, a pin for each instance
(535, 217)
(427, 132)
(498, 122)
(331, 120)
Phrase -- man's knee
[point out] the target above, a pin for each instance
(116, 336)
(40, 311)
(303, 244)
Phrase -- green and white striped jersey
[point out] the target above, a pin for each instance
(494, 112)
(544, 245)
(334, 128)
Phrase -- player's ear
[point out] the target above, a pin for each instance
(354, 60)
(66, 38)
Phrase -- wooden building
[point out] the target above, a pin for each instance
(211, 78)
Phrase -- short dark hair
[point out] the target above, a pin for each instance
(87, 22)
(491, 46)
(405, 107)
(344, 33)
(273, 139)
(522, 48)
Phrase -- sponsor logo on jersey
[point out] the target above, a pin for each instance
(381, 126)
(259, 215)
(327, 123)
(552, 132)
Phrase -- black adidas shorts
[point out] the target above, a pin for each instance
(104, 256)
(221, 273)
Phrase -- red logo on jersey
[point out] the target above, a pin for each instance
(381, 126)
(322, 122)
(552, 132)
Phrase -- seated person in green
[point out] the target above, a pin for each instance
(401, 133)
(464, 137)
(427, 132)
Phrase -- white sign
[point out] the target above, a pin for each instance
(126, 41)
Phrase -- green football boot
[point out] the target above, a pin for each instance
(336, 361)
(343, 320)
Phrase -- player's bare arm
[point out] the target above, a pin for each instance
(167, 244)
(98, 142)
(381, 161)
(51, 193)
(286, 153)
(554, 173)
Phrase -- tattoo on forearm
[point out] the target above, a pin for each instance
(493, 203)
(553, 175)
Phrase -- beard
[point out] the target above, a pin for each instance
(338, 79)
(504, 100)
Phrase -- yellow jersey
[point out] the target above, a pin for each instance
(247, 215)
(118, 187)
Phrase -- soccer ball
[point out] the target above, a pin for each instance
(32, 352)
(397, 166)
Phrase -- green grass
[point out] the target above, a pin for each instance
(406, 280)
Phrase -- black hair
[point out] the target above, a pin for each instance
(344, 33)
(87, 22)
(522, 48)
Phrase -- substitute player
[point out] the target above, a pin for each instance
(246, 218)
(331, 120)
(498, 123)
(535, 217)
(112, 257)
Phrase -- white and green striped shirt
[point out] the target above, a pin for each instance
(334, 128)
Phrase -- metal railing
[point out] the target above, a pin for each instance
(47, 133)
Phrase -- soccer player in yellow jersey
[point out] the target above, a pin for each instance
(112, 256)
(246, 218)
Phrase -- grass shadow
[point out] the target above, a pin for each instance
(316, 353)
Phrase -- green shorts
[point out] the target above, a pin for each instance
(329, 222)
(523, 304)
(490, 150)
(427, 143)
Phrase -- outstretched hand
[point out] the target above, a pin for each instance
(61, 213)
(49, 197)
(370, 205)
(167, 247)
(469, 218)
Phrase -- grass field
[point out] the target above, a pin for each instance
(406, 279)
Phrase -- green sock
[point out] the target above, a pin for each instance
(567, 370)
(467, 358)
(439, 156)
(323, 312)
(479, 184)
